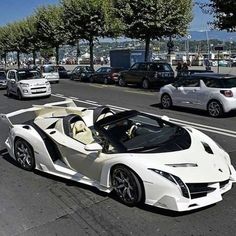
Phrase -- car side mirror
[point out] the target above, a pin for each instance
(93, 147)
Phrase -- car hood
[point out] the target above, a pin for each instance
(200, 165)
(34, 82)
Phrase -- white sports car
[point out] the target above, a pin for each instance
(141, 157)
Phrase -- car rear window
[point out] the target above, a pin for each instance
(49, 69)
(220, 83)
(160, 67)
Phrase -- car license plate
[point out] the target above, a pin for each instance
(39, 90)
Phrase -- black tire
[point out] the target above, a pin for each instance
(145, 84)
(91, 79)
(126, 185)
(106, 81)
(121, 81)
(19, 95)
(8, 93)
(24, 154)
(215, 109)
(166, 101)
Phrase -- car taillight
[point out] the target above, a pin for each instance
(227, 93)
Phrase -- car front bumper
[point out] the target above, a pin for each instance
(172, 199)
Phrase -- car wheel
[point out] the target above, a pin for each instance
(19, 95)
(8, 92)
(105, 81)
(91, 79)
(121, 82)
(24, 154)
(166, 101)
(145, 84)
(215, 109)
(126, 185)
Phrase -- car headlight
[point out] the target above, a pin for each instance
(174, 179)
(24, 85)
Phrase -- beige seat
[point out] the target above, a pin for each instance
(81, 132)
(104, 115)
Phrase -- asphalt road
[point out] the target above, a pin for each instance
(39, 204)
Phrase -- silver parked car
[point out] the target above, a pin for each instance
(215, 93)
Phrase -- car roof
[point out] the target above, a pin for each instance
(213, 75)
(152, 62)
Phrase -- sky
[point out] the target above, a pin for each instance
(14, 10)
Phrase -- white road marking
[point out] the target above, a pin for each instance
(207, 128)
(91, 101)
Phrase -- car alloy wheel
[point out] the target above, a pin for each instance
(24, 154)
(126, 185)
(8, 92)
(105, 80)
(145, 84)
(166, 101)
(121, 82)
(91, 79)
(19, 95)
(215, 109)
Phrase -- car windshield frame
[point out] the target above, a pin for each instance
(152, 136)
(27, 75)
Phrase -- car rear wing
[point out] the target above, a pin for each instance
(6, 117)
(38, 110)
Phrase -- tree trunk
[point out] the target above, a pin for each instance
(77, 51)
(57, 55)
(91, 52)
(18, 59)
(147, 48)
(5, 59)
(34, 57)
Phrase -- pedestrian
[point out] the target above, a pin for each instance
(179, 68)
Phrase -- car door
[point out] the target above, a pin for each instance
(185, 93)
(97, 76)
(132, 73)
(74, 155)
(12, 81)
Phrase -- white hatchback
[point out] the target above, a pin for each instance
(50, 72)
(215, 93)
(26, 83)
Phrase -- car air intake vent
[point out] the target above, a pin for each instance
(198, 190)
(223, 183)
(207, 148)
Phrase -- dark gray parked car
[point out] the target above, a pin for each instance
(147, 74)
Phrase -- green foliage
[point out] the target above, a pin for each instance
(154, 18)
(224, 13)
(87, 18)
(49, 25)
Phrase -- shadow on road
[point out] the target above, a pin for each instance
(4, 154)
(193, 111)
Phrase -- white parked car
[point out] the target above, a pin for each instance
(215, 93)
(25, 83)
(50, 72)
(141, 157)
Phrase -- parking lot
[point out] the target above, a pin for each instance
(39, 204)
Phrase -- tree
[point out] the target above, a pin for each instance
(153, 19)
(50, 27)
(88, 20)
(31, 39)
(224, 13)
